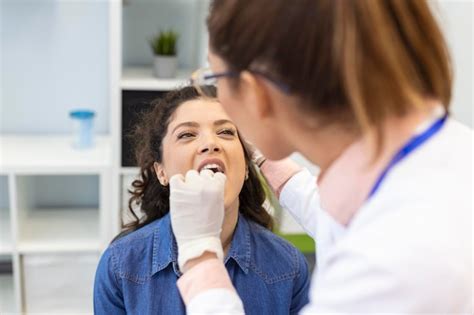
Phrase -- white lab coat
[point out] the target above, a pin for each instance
(407, 250)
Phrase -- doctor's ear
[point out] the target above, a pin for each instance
(161, 174)
(256, 93)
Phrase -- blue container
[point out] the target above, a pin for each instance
(83, 128)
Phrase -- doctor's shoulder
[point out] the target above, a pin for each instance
(418, 246)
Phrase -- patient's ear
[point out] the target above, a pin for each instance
(161, 173)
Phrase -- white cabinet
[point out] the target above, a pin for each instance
(7, 300)
(58, 212)
(5, 217)
(55, 220)
(48, 276)
(7, 291)
(9, 276)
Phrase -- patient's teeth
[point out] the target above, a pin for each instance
(213, 167)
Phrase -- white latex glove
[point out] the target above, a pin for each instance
(197, 213)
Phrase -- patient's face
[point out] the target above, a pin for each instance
(201, 135)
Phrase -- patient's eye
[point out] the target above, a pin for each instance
(227, 132)
(185, 135)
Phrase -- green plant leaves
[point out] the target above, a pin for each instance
(164, 43)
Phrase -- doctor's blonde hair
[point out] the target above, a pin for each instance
(354, 62)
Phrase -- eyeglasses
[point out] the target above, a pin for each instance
(205, 77)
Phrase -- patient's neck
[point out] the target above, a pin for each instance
(228, 227)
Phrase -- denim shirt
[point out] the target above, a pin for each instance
(137, 274)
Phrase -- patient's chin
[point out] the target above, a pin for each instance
(230, 203)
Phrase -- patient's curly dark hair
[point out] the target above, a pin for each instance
(152, 197)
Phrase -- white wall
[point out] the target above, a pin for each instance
(456, 18)
(53, 58)
(53, 55)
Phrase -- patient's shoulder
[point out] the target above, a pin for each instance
(133, 252)
(136, 238)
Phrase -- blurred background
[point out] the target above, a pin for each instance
(74, 75)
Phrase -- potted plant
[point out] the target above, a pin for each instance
(164, 49)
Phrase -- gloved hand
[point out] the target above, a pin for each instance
(197, 213)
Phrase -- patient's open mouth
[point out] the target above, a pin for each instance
(215, 165)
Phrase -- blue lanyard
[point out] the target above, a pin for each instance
(411, 145)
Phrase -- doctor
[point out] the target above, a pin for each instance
(361, 88)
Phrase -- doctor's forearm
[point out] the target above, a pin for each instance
(208, 275)
(277, 173)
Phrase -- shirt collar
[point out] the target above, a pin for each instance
(165, 249)
(240, 248)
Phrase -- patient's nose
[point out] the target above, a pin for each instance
(210, 145)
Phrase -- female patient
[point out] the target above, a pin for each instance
(137, 274)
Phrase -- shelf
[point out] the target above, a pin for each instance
(7, 295)
(142, 79)
(58, 212)
(130, 171)
(6, 245)
(59, 283)
(52, 154)
(59, 230)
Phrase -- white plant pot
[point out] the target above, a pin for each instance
(165, 66)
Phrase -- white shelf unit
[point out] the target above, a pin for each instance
(55, 203)
(129, 170)
(7, 294)
(6, 245)
(53, 274)
(46, 154)
(142, 79)
(52, 222)
(9, 279)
